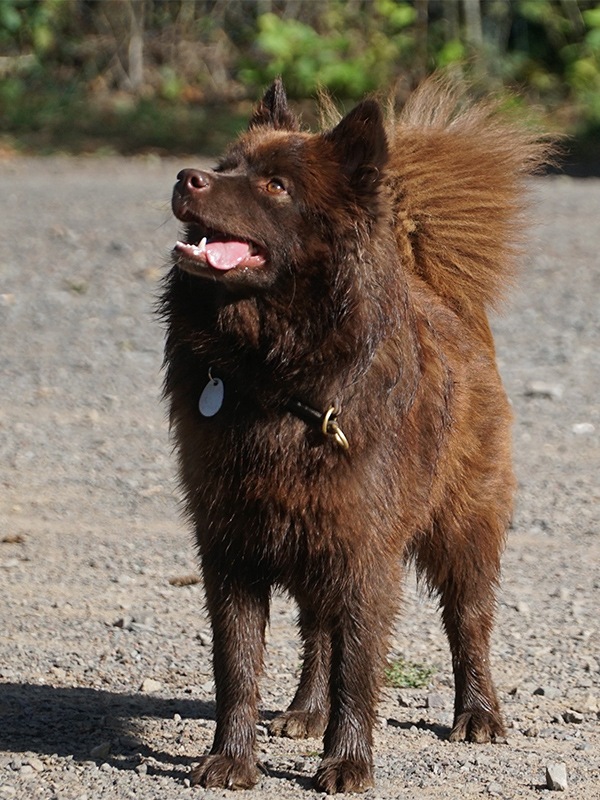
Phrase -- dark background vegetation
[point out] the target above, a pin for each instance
(180, 76)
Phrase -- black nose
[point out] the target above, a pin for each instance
(190, 181)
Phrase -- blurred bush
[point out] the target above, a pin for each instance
(177, 75)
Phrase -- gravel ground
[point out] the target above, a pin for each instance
(105, 682)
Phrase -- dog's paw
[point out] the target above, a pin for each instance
(224, 772)
(478, 726)
(343, 775)
(299, 724)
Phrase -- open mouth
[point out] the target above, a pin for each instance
(220, 251)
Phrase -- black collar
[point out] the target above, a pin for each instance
(326, 422)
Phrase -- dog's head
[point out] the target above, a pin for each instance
(281, 199)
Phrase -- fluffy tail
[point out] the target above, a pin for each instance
(456, 172)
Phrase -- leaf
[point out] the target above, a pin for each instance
(592, 17)
(10, 19)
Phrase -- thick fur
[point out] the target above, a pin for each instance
(382, 253)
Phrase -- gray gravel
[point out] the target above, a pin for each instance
(105, 682)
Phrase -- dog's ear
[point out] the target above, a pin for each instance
(361, 143)
(273, 110)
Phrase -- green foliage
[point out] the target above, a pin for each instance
(64, 61)
(33, 23)
(403, 674)
(452, 52)
(349, 54)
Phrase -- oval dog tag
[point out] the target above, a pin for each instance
(211, 398)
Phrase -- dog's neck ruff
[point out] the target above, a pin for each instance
(213, 395)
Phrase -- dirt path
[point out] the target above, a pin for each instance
(105, 684)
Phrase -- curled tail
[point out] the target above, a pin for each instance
(455, 171)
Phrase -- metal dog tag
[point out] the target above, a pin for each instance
(211, 398)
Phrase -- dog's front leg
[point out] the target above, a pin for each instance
(358, 637)
(239, 611)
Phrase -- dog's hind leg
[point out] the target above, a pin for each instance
(239, 611)
(464, 571)
(309, 710)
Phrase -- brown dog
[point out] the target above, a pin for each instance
(336, 404)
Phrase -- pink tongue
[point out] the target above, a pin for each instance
(226, 255)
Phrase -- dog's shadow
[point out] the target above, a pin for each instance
(72, 721)
(439, 730)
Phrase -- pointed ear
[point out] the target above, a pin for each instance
(273, 110)
(361, 142)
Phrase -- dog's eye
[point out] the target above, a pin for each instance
(275, 186)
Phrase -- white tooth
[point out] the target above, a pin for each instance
(202, 244)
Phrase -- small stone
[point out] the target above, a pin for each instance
(13, 538)
(177, 717)
(37, 765)
(434, 701)
(583, 428)
(556, 777)
(532, 732)
(26, 770)
(204, 638)
(101, 750)
(106, 767)
(550, 391)
(590, 704)
(58, 672)
(150, 685)
(129, 741)
(262, 734)
(185, 580)
(523, 608)
(299, 765)
(124, 622)
(573, 717)
(141, 769)
(144, 618)
(551, 692)
(495, 788)
(118, 247)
